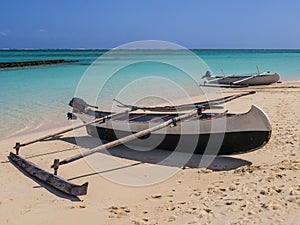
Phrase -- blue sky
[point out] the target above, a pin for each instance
(109, 23)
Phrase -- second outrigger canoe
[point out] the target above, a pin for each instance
(261, 78)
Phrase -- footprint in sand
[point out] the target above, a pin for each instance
(171, 218)
(118, 212)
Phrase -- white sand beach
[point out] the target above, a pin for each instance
(259, 187)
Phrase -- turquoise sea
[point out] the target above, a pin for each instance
(33, 97)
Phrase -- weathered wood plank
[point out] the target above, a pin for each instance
(52, 180)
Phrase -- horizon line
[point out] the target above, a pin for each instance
(107, 49)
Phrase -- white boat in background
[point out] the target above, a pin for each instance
(260, 78)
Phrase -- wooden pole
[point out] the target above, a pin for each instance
(211, 104)
(126, 139)
(248, 78)
(216, 79)
(257, 69)
(223, 73)
(18, 145)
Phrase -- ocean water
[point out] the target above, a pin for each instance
(33, 97)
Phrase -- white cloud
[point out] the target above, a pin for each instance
(42, 30)
(2, 33)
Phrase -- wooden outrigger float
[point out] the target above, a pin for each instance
(49, 178)
(196, 111)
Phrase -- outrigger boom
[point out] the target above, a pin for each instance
(124, 139)
(98, 120)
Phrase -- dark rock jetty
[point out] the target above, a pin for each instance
(32, 63)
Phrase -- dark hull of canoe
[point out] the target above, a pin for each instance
(210, 144)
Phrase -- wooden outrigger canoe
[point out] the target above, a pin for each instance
(256, 126)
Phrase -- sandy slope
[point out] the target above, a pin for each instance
(261, 187)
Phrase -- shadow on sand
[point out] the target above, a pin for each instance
(161, 157)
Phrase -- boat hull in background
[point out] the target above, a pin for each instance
(257, 80)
